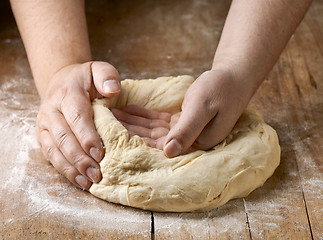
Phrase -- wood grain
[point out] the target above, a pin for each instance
(226, 222)
(150, 39)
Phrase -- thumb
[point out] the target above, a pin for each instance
(194, 117)
(106, 79)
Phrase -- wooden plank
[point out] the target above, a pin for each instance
(149, 39)
(226, 222)
(36, 202)
(276, 210)
(178, 51)
(294, 209)
(307, 59)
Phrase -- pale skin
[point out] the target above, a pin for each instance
(56, 40)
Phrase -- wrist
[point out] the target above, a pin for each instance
(247, 76)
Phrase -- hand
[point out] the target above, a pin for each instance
(65, 127)
(152, 126)
(210, 109)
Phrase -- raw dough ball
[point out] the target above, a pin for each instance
(137, 175)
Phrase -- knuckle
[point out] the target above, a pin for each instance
(158, 132)
(88, 138)
(49, 152)
(68, 172)
(61, 138)
(76, 116)
(61, 93)
(209, 107)
(80, 161)
(159, 123)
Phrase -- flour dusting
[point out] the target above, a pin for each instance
(65, 200)
(42, 191)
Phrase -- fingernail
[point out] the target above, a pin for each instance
(96, 154)
(93, 174)
(111, 86)
(81, 181)
(173, 148)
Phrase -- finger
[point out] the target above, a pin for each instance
(174, 119)
(143, 112)
(136, 130)
(155, 143)
(139, 121)
(183, 134)
(106, 79)
(150, 142)
(52, 153)
(131, 134)
(66, 142)
(80, 119)
(160, 142)
(145, 132)
(197, 111)
(215, 131)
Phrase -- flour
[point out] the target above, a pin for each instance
(225, 219)
(29, 176)
(42, 197)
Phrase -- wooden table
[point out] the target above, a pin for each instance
(150, 39)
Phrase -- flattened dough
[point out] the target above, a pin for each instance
(137, 175)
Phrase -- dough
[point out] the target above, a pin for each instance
(137, 175)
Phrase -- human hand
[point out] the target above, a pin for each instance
(152, 126)
(65, 127)
(210, 109)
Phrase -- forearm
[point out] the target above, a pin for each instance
(254, 35)
(54, 35)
